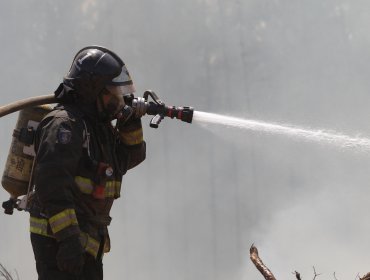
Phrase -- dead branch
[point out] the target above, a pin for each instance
(267, 274)
(297, 275)
(315, 274)
(365, 277)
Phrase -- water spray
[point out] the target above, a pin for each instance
(321, 136)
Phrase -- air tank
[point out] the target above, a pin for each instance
(18, 167)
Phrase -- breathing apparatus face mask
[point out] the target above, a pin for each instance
(112, 99)
(114, 92)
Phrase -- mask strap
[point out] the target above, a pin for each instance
(103, 113)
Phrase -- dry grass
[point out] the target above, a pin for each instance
(4, 274)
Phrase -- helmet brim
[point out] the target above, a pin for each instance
(124, 90)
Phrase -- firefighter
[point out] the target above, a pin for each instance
(81, 156)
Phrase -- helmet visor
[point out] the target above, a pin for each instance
(122, 79)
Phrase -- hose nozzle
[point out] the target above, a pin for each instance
(157, 108)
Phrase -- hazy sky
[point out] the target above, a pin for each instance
(206, 193)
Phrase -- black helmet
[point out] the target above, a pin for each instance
(93, 68)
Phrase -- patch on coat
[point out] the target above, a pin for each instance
(64, 135)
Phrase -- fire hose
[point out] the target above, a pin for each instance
(141, 106)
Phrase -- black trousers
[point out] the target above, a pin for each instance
(45, 250)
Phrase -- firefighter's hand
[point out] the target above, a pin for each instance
(70, 255)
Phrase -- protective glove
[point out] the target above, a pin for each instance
(70, 255)
(125, 115)
(131, 132)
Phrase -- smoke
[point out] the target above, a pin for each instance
(201, 198)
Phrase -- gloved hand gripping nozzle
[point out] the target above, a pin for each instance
(141, 106)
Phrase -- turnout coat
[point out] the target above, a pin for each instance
(78, 172)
